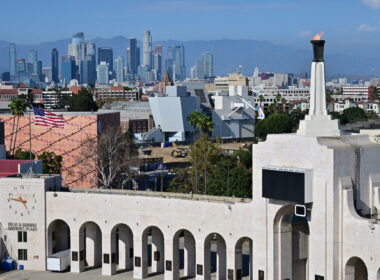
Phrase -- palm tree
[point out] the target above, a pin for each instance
(261, 99)
(205, 124)
(17, 108)
(193, 119)
(283, 102)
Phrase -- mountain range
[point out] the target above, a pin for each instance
(228, 54)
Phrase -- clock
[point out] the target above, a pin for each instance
(22, 201)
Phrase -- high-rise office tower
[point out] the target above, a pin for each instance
(133, 56)
(119, 69)
(32, 61)
(179, 68)
(91, 55)
(12, 59)
(200, 69)
(169, 61)
(102, 73)
(20, 65)
(106, 55)
(68, 69)
(147, 49)
(54, 65)
(157, 61)
(208, 65)
(85, 71)
(157, 65)
(76, 48)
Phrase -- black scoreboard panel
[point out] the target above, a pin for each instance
(284, 185)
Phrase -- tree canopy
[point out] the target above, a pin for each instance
(83, 101)
(274, 124)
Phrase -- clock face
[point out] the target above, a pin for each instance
(22, 201)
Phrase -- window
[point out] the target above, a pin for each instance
(22, 236)
(22, 254)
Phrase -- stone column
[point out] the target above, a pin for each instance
(234, 261)
(77, 247)
(140, 270)
(221, 260)
(189, 254)
(157, 246)
(109, 248)
(200, 259)
(172, 255)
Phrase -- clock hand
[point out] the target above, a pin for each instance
(19, 199)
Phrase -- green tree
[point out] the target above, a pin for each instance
(274, 124)
(51, 163)
(261, 99)
(83, 101)
(17, 108)
(353, 114)
(206, 125)
(229, 178)
(24, 155)
(374, 94)
(62, 99)
(182, 182)
(371, 115)
(193, 120)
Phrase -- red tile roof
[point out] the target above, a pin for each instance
(8, 91)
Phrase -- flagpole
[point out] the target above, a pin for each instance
(30, 171)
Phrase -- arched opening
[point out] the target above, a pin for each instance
(183, 255)
(291, 238)
(356, 270)
(90, 243)
(215, 264)
(243, 258)
(58, 237)
(378, 274)
(122, 248)
(153, 254)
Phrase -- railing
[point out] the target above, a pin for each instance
(8, 246)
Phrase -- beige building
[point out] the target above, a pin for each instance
(223, 83)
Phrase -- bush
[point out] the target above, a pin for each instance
(274, 124)
(353, 114)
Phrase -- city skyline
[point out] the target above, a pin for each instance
(345, 24)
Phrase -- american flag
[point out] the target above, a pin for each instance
(46, 118)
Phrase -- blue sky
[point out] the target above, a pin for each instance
(346, 23)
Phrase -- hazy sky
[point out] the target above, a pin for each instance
(289, 22)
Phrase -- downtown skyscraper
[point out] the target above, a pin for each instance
(106, 54)
(147, 50)
(12, 60)
(175, 62)
(133, 56)
(119, 69)
(54, 65)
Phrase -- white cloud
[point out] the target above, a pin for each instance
(304, 33)
(366, 27)
(374, 4)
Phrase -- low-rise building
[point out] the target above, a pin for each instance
(116, 93)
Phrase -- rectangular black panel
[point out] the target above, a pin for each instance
(261, 275)
(284, 185)
(319, 277)
(169, 265)
(137, 262)
(199, 269)
(74, 256)
(106, 258)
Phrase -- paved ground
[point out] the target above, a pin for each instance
(95, 274)
(88, 275)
